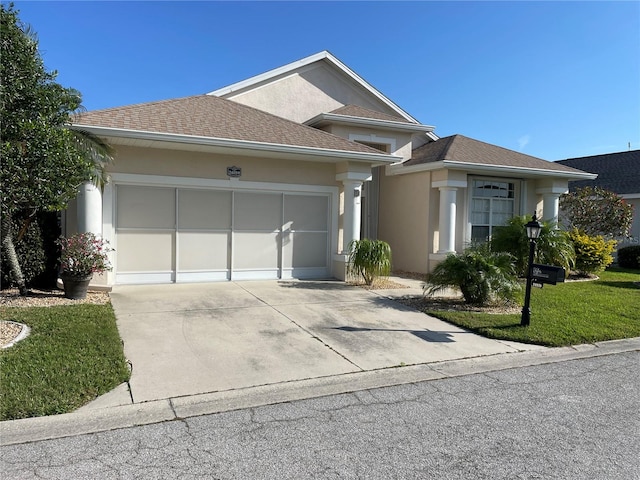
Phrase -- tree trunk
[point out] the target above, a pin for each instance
(12, 257)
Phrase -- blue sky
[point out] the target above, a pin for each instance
(550, 79)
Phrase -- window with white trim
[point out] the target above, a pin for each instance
(493, 204)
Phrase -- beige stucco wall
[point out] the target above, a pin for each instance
(322, 87)
(202, 165)
(404, 218)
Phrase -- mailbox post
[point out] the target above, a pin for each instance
(533, 232)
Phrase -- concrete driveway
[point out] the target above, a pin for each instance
(188, 339)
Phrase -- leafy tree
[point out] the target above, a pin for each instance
(481, 275)
(369, 258)
(596, 211)
(553, 247)
(43, 160)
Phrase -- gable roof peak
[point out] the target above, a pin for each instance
(322, 56)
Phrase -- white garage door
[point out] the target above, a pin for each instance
(168, 234)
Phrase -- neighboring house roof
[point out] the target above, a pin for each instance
(460, 152)
(617, 172)
(323, 56)
(209, 117)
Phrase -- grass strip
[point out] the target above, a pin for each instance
(569, 313)
(73, 355)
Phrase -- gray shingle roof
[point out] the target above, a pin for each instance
(617, 172)
(467, 150)
(361, 112)
(214, 117)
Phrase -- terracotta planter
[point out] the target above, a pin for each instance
(75, 287)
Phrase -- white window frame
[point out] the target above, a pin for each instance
(517, 192)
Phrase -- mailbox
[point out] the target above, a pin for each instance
(547, 274)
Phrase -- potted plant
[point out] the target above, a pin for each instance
(82, 255)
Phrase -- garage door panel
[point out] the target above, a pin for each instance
(255, 250)
(145, 207)
(306, 212)
(257, 211)
(140, 251)
(204, 209)
(203, 251)
(305, 250)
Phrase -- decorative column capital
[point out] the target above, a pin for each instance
(444, 184)
(355, 177)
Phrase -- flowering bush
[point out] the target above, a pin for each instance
(593, 252)
(83, 254)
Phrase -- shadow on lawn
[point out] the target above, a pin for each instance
(624, 285)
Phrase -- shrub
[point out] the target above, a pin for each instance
(629, 257)
(593, 253)
(553, 247)
(481, 275)
(369, 258)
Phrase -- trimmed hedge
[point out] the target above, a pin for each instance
(629, 257)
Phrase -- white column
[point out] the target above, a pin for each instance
(551, 198)
(352, 212)
(352, 182)
(447, 220)
(550, 206)
(89, 209)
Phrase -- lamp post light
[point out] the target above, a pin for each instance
(533, 232)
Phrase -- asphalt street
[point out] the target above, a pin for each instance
(576, 419)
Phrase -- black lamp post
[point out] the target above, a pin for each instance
(533, 232)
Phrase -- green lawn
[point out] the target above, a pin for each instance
(73, 355)
(571, 313)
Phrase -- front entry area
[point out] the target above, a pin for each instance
(173, 234)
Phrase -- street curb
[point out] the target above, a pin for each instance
(95, 420)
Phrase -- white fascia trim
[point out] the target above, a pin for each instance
(368, 122)
(269, 74)
(516, 170)
(433, 136)
(630, 195)
(336, 155)
(398, 169)
(324, 55)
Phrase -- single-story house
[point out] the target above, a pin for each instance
(617, 172)
(272, 177)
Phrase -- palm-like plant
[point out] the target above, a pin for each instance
(369, 258)
(553, 247)
(481, 275)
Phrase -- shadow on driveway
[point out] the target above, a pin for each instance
(440, 337)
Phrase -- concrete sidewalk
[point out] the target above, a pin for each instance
(201, 338)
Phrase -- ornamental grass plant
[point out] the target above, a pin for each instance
(369, 258)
